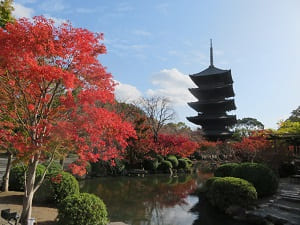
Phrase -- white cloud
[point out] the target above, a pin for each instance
(173, 84)
(127, 92)
(57, 21)
(22, 11)
(53, 6)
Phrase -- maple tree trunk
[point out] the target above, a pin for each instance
(29, 192)
(7, 172)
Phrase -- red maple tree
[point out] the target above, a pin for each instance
(52, 89)
(170, 144)
(248, 147)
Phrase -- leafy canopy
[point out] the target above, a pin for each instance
(53, 89)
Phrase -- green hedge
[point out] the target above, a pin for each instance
(165, 166)
(209, 182)
(190, 163)
(82, 209)
(150, 165)
(57, 187)
(226, 191)
(183, 164)
(225, 170)
(54, 167)
(173, 160)
(261, 176)
(159, 158)
(16, 177)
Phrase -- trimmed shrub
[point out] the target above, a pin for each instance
(209, 182)
(54, 167)
(190, 163)
(165, 166)
(150, 165)
(160, 158)
(57, 187)
(261, 176)
(227, 191)
(173, 160)
(63, 184)
(182, 164)
(16, 177)
(82, 209)
(225, 170)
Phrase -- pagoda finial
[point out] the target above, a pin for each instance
(211, 54)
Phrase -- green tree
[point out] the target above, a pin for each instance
(244, 127)
(295, 115)
(289, 127)
(6, 9)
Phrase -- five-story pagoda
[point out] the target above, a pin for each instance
(215, 97)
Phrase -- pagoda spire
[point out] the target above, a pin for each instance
(211, 54)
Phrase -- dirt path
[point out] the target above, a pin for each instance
(44, 215)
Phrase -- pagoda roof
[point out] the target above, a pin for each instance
(227, 105)
(212, 93)
(213, 87)
(210, 119)
(217, 132)
(211, 70)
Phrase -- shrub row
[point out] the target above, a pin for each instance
(262, 177)
(165, 164)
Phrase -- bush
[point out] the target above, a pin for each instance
(227, 191)
(150, 165)
(182, 164)
(16, 177)
(190, 163)
(57, 187)
(54, 167)
(262, 177)
(225, 170)
(63, 185)
(160, 158)
(82, 209)
(165, 166)
(209, 182)
(173, 160)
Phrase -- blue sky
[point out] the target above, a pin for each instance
(154, 44)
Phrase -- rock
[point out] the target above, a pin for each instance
(255, 219)
(235, 210)
(276, 220)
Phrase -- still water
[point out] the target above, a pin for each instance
(154, 200)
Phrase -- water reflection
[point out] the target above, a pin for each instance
(150, 200)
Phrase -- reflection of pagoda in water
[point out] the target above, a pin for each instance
(215, 97)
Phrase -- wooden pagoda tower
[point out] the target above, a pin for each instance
(215, 98)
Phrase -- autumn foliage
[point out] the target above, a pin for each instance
(170, 144)
(51, 84)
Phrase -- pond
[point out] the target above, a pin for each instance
(154, 200)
